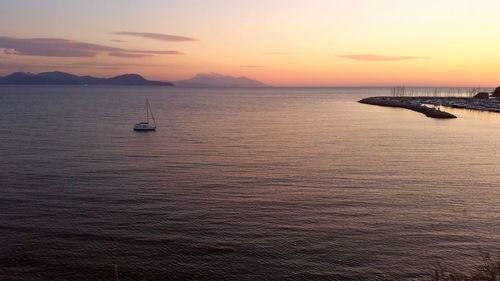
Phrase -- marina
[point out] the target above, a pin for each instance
(428, 101)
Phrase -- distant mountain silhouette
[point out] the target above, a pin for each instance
(218, 80)
(62, 78)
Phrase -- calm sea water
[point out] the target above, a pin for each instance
(239, 184)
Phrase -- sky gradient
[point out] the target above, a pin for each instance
(282, 43)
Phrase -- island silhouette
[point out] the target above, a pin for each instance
(210, 80)
(63, 78)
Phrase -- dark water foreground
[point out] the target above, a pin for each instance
(283, 184)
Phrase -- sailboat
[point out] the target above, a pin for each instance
(146, 126)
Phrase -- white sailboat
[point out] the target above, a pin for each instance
(146, 126)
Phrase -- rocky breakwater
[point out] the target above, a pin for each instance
(411, 104)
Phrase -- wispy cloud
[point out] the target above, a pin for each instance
(56, 47)
(94, 65)
(251, 66)
(377, 58)
(279, 53)
(161, 52)
(128, 55)
(157, 36)
(142, 54)
(117, 40)
(7, 66)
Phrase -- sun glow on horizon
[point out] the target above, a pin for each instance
(282, 43)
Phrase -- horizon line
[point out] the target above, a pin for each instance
(362, 85)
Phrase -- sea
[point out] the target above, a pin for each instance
(240, 184)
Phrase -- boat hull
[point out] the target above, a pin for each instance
(144, 129)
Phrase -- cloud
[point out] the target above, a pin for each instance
(41, 66)
(251, 66)
(11, 66)
(128, 55)
(98, 64)
(157, 36)
(377, 58)
(142, 54)
(117, 40)
(55, 47)
(161, 52)
(279, 53)
(51, 47)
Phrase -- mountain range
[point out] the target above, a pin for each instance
(62, 78)
(210, 80)
(218, 80)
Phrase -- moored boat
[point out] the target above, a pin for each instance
(146, 126)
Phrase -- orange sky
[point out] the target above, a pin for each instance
(283, 43)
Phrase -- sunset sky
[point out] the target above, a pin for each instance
(279, 42)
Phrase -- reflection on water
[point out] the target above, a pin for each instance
(469, 113)
(240, 184)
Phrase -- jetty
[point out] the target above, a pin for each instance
(408, 104)
(428, 101)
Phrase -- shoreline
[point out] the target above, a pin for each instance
(419, 104)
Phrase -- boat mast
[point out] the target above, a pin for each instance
(147, 110)
(152, 116)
